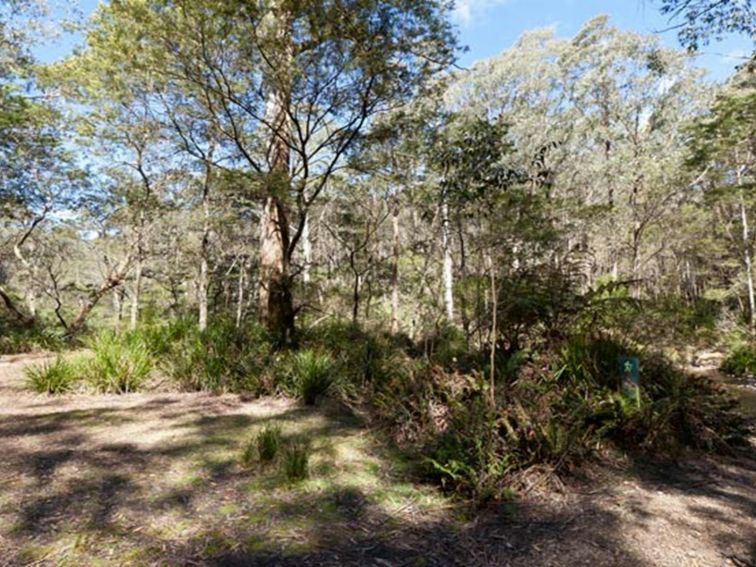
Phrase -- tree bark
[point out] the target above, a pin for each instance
(240, 294)
(748, 263)
(114, 278)
(448, 273)
(11, 306)
(275, 302)
(203, 283)
(395, 272)
(274, 290)
(306, 251)
(118, 294)
(136, 293)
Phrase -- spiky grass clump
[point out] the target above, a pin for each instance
(118, 365)
(313, 374)
(265, 446)
(56, 377)
(296, 461)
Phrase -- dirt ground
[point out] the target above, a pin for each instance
(155, 479)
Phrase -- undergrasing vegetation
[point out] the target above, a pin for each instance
(293, 282)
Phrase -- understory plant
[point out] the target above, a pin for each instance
(741, 361)
(119, 364)
(56, 377)
(221, 358)
(311, 375)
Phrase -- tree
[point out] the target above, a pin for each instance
(596, 121)
(699, 20)
(289, 85)
(724, 143)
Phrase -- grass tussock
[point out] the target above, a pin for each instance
(57, 377)
(263, 447)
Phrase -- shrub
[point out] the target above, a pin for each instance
(561, 416)
(312, 374)
(741, 361)
(119, 364)
(265, 446)
(296, 461)
(15, 339)
(221, 358)
(159, 340)
(56, 377)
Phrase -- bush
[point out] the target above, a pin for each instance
(741, 361)
(561, 416)
(265, 446)
(221, 358)
(296, 461)
(55, 377)
(159, 340)
(312, 374)
(120, 364)
(15, 339)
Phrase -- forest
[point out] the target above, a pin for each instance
(282, 282)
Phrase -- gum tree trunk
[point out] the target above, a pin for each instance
(275, 302)
(448, 273)
(395, 272)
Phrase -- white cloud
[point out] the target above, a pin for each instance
(467, 12)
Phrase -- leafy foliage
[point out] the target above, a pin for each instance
(741, 361)
(56, 377)
(221, 358)
(119, 364)
(699, 20)
(311, 374)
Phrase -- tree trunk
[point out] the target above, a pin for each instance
(114, 278)
(448, 274)
(240, 294)
(11, 306)
(356, 286)
(494, 330)
(136, 293)
(276, 308)
(748, 264)
(202, 288)
(306, 251)
(118, 307)
(395, 273)
(275, 301)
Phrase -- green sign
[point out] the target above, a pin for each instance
(630, 376)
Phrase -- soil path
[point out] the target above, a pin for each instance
(154, 479)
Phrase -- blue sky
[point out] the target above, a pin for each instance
(489, 26)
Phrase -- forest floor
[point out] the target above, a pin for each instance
(155, 479)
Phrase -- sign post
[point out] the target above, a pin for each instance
(630, 376)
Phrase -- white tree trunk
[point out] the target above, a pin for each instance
(448, 272)
(395, 274)
(202, 286)
(306, 251)
(136, 293)
(748, 264)
(240, 294)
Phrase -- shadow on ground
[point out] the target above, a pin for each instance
(158, 480)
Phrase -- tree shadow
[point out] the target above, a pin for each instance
(66, 476)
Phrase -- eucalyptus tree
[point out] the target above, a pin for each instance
(596, 121)
(38, 176)
(724, 145)
(696, 21)
(289, 86)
